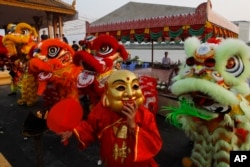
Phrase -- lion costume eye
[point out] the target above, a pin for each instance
(53, 51)
(25, 31)
(235, 66)
(105, 50)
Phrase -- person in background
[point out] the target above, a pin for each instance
(64, 39)
(75, 46)
(57, 36)
(117, 64)
(87, 43)
(44, 36)
(166, 61)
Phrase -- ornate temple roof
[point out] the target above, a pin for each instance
(12, 11)
(134, 16)
(134, 11)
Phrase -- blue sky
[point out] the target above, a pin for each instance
(233, 10)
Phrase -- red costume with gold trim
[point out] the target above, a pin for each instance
(127, 131)
(120, 146)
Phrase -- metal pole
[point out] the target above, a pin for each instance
(152, 53)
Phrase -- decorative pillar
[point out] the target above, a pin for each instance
(55, 21)
(50, 25)
(60, 23)
(38, 22)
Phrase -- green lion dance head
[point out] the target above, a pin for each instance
(212, 80)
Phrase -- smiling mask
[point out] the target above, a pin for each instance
(122, 87)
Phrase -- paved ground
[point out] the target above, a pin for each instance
(21, 151)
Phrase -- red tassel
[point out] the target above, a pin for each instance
(241, 133)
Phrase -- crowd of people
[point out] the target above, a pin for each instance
(74, 45)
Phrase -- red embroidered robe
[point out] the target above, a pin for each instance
(121, 146)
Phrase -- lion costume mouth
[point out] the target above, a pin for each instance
(65, 58)
(205, 102)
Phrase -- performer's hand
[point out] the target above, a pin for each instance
(129, 110)
(65, 136)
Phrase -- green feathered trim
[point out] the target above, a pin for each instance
(185, 108)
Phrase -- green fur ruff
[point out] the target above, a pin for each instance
(185, 108)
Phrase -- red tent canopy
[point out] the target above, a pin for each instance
(200, 21)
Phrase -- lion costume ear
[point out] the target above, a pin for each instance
(123, 52)
(86, 59)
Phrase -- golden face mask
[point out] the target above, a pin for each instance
(122, 87)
